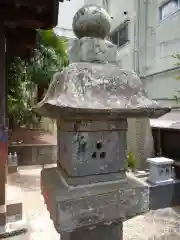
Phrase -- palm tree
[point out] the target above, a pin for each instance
(50, 56)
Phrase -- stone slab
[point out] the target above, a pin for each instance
(96, 178)
(85, 206)
(164, 182)
(160, 161)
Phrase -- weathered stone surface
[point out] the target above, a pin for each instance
(92, 49)
(84, 206)
(92, 90)
(88, 148)
(91, 20)
(105, 232)
(160, 170)
(93, 85)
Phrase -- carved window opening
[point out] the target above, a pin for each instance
(102, 155)
(99, 145)
(94, 155)
(161, 170)
(167, 171)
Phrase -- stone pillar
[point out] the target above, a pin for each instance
(3, 131)
(140, 141)
(112, 232)
(89, 192)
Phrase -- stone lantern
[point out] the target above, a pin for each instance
(88, 194)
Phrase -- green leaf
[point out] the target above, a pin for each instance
(50, 56)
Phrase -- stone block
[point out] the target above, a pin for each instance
(90, 149)
(160, 170)
(72, 208)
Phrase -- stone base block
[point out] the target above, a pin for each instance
(164, 196)
(85, 180)
(86, 206)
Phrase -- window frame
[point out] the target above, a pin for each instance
(106, 5)
(117, 30)
(160, 9)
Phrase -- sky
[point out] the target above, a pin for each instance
(67, 9)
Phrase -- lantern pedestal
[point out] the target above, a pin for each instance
(85, 206)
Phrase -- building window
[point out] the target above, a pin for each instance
(168, 8)
(120, 36)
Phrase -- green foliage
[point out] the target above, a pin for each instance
(49, 40)
(19, 108)
(177, 58)
(49, 56)
(131, 161)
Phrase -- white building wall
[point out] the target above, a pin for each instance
(116, 9)
(67, 10)
(121, 11)
(163, 40)
(97, 2)
(151, 44)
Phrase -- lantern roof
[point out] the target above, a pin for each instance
(94, 85)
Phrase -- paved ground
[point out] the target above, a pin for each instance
(155, 225)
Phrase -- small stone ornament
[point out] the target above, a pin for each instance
(160, 170)
(91, 21)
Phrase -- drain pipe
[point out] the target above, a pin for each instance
(136, 38)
